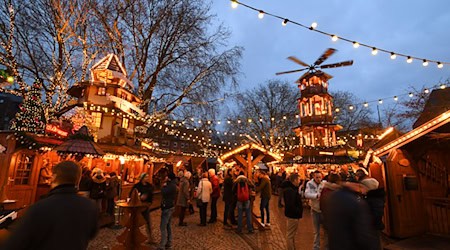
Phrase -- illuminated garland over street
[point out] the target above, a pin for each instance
(334, 37)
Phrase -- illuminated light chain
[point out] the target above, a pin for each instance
(395, 98)
(334, 38)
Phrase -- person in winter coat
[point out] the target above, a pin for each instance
(265, 188)
(348, 220)
(312, 192)
(293, 208)
(62, 220)
(98, 188)
(215, 182)
(204, 191)
(376, 199)
(183, 199)
(228, 198)
(242, 205)
(145, 190)
(85, 186)
(328, 188)
(112, 191)
(168, 195)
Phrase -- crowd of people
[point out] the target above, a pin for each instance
(347, 206)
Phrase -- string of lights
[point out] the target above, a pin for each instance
(313, 27)
(352, 106)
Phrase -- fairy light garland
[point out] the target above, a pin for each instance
(313, 27)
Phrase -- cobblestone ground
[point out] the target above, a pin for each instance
(214, 236)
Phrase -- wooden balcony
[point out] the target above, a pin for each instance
(317, 119)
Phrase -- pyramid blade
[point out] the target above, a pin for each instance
(324, 56)
(290, 71)
(296, 60)
(335, 65)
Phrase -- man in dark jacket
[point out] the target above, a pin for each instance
(63, 220)
(168, 195)
(293, 209)
(349, 224)
(228, 199)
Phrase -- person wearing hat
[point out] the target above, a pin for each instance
(168, 195)
(145, 190)
(98, 187)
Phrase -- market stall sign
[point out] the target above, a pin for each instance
(55, 130)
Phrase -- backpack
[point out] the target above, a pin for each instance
(242, 192)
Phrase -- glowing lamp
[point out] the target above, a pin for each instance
(440, 65)
(355, 45)
(261, 14)
(393, 55)
(122, 160)
(334, 38)
(234, 4)
(374, 51)
(409, 59)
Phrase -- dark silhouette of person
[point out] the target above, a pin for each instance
(62, 220)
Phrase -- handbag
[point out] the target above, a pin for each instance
(199, 199)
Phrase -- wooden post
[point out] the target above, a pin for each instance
(249, 164)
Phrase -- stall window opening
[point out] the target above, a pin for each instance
(97, 119)
(101, 91)
(125, 123)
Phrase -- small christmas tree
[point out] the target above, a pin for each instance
(31, 117)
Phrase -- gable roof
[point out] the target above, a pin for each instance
(110, 62)
(437, 103)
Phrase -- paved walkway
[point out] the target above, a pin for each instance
(214, 236)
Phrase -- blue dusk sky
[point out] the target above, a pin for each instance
(417, 28)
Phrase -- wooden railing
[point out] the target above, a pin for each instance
(438, 213)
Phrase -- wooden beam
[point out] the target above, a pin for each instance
(258, 159)
(249, 166)
(241, 160)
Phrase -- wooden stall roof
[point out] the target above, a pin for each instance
(123, 149)
(268, 156)
(80, 146)
(412, 135)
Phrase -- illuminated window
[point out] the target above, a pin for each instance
(101, 91)
(23, 168)
(125, 122)
(97, 119)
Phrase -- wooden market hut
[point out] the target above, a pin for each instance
(21, 159)
(248, 156)
(415, 171)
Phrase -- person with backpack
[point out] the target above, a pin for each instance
(204, 191)
(241, 188)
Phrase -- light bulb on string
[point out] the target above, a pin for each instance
(425, 63)
(351, 107)
(443, 86)
(337, 110)
(334, 38)
(380, 101)
(427, 91)
(261, 14)
(409, 59)
(393, 55)
(440, 65)
(285, 21)
(410, 94)
(313, 26)
(366, 104)
(374, 51)
(355, 45)
(234, 4)
(395, 98)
